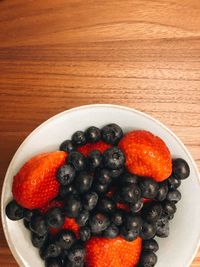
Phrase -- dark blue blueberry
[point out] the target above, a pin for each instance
(67, 146)
(113, 158)
(173, 182)
(66, 190)
(133, 222)
(100, 188)
(148, 230)
(65, 239)
(98, 222)
(111, 134)
(174, 195)
(147, 259)
(129, 235)
(150, 245)
(50, 250)
(149, 188)
(72, 206)
(83, 217)
(106, 204)
(38, 241)
(55, 217)
(129, 178)
(180, 168)
(14, 211)
(111, 232)
(136, 207)
(83, 182)
(94, 159)
(169, 207)
(103, 176)
(93, 134)
(162, 227)
(152, 212)
(85, 233)
(78, 138)
(53, 262)
(118, 217)
(66, 174)
(130, 193)
(116, 173)
(38, 225)
(76, 254)
(77, 160)
(162, 191)
(28, 214)
(90, 200)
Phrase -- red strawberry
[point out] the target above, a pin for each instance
(146, 155)
(69, 224)
(117, 252)
(87, 148)
(35, 184)
(53, 204)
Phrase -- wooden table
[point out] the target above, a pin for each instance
(59, 54)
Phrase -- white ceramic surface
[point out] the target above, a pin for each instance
(176, 251)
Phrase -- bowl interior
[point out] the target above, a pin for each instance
(176, 250)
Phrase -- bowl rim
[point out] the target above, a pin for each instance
(82, 107)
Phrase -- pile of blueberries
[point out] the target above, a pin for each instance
(105, 200)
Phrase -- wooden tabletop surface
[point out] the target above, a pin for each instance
(58, 54)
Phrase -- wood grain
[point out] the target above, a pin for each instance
(58, 54)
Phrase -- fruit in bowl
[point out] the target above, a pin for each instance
(101, 199)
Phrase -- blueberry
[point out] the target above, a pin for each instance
(94, 159)
(174, 195)
(100, 188)
(54, 217)
(77, 160)
(78, 138)
(152, 212)
(148, 231)
(93, 134)
(67, 146)
(148, 259)
(106, 204)
(111, 232)
(116, 173)
(149, 188)
(85, 233)
(83, 181)
(169, 207)
(136, 207)
(28, 214)
(130, 193)
(38, 225)
(113, 158)
(83, 217)
(103, 176)
(66, 174)
(26, 224)
(65, 239)
(118, 217)
(162, 191)
(68, 263)
(170, 217)
(162, 227)
(129, 235)
(72, 206)
(133, 222)
(51, 250)
(76, 254)
(174, 183)
(14, 211)
(66, 190)
(90, 200)
(38, 241)
(180, 168)
(111, 134)
(53, 262)
(150, 245)
(98, 222)
(129, 178)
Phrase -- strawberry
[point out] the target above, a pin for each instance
(87, 148)
(69, 224)
(35, 184)
(146, 155)
(117, 252)
(52, 204)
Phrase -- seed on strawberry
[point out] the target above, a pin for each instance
(90, 200)
(79, 138)
(14, 211)
(53, 262)
(113, 158)
(72, 206)
(149, 188)
(65, 239)
(77, 160)
(67, 146)
(111, 231)
(55, 217)
(174, 195)
(83, 182)
(39, 226)
(111, 133)
(148, 258)
(181, 169)
(85, 233)
(93, 134)
(98, 222)
(150, 245)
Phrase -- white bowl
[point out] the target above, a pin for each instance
(177, 250)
